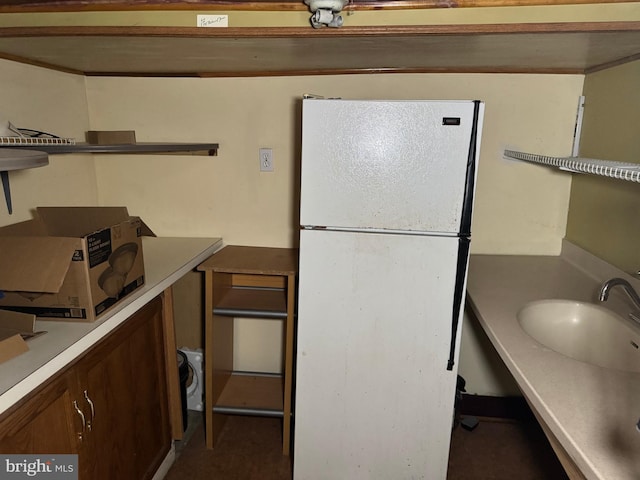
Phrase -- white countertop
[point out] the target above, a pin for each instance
(166, 260)
(592, 411)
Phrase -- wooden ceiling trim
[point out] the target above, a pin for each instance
(615, 63)
(36, 63)
(24, 6)
(366, 71)
(341, 71)
(558, 48)
(295, 32)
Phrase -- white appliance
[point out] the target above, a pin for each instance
(386, 198)
(195, 398)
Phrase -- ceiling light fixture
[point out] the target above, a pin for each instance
(325, 12)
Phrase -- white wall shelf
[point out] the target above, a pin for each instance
(14, 153)
(148, 148)
(604, 168)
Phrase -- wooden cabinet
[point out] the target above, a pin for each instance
(45, 422)
(104, 377)
(247, 282)
(124, 377)
(110, 406)
(151, 433)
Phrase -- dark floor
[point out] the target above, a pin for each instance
(249, 449)
(500, 449)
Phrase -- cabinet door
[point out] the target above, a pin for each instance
(106, 379)
(120, 388)
(151, 435)
(124, 377)
(45, 423)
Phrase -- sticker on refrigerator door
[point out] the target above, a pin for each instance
(451, 121)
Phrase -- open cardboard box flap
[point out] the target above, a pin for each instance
(14, 329)
(80, 221)
(35, 264)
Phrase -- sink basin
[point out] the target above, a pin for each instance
(583, 331)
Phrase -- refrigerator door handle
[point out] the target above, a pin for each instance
(467, 203)
(458, 295)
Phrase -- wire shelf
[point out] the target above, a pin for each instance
(618, 170)
(15, 141)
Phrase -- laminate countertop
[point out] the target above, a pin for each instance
(166, 260)
(591, 411)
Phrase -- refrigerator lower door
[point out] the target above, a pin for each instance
(374, 399)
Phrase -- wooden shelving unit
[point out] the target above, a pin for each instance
(247, 282)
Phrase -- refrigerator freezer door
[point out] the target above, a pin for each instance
(373, 397)
(396, 165)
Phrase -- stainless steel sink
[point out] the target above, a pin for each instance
(583, 331)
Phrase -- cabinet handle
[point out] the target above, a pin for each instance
(93, 411)
(84, 423)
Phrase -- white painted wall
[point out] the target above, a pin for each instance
(55, 102)
(520, 208)
(479, 363)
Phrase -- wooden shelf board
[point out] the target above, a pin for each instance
(254, 302)
(252, 392)
(253, 261)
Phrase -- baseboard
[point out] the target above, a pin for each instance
(166, 464)
(512, 408)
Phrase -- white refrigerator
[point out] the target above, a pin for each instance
(386, 200)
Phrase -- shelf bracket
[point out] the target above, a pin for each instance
(7, 190)
(14, 159)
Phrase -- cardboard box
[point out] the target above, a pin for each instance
(15, 329)
(71, 263)
(111, 137)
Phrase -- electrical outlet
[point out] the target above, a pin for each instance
(266, 160)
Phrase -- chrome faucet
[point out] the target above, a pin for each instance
(633, 295)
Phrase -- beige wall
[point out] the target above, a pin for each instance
(479, 363)
(604, 214)
(520, 209)
(54, 102)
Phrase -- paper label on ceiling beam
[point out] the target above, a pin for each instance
(212, 21)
